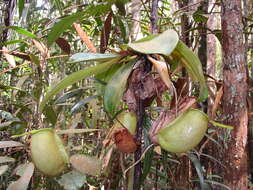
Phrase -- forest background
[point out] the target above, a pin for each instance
(43, 42)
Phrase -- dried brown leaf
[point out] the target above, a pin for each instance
(42, 48)
(163, 71)
(7, 144)
(105, 33)
(3, 169)
(23, 182)
(124, 141)
(9, 57)
(143, 86)
(217, 101)
(63, 44)
(86, 164)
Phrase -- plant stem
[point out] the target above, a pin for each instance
(137, 155)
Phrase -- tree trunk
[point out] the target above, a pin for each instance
(183, 171)
(136, 14)
(202, 53)
(235, 93)
(185, 25)
(211, 59)
(8, 20)
(202, 50)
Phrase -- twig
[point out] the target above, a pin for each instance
(137, 160)
(188, 6)
(13, 68)
(154, 17)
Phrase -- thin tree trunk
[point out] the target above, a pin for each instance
(8, 20)
(211, 58)
(136, 14)
(202, 50)
(183, 171)
(235, 93)
(185, 25)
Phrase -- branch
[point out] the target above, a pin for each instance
(154, 17)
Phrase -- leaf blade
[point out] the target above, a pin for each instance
(79, 57)
(75, 77)
(193, 66)
(116, 86)
(163, 43)
(61, 26)
(23, 31)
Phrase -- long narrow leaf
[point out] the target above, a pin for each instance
(79, 57)
(193, 66)
(163, 43)
(199, 170)
(79, 105)
(75, 77)
(61, 26)
(73, 131)
(23, 31)
(21, 5)
(23, 182)
(116, 86)
(70, 94)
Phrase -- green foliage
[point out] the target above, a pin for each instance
(62, 25)
(22, 31)
(161, 44)
(75, 77)
(49, 90)
(193, 66)
(116, 86)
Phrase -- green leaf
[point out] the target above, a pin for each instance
(199, 170)
(73, 180)
(6, 115)
(163, 43)
(4, 159)
(218, 34)
(216, 124)
(61, 26)
(73, 131)
(120, 4)
(79, 105)
(199, 17)
(22, 31)
(147, 38)
(103, 78)
(79, 57)
(50, 114)
(147, 161)
(99, 9)
(70, 94)
(75, 77)
(124, 30)
(116, 86)
(218, 184)
(193, 66)
(12, 42)
(21, 5)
